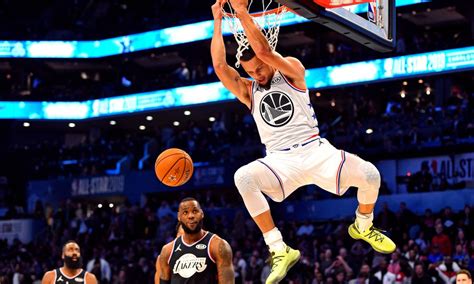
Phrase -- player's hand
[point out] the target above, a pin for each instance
(239, 5)
(217, 9)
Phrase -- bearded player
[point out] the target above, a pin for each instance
(71, 272)
(197, 256)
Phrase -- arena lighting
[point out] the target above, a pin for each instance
(401, 67)
(137, 42)
(26, 124)
(142, 127)
(99, 205)
(72, 124)
(212, 119)
(113, 122)
(149, 118)
(111, 205)
(318, 94)
(405, 83)
(187, 112)
(403, 94)
(428, 91)
(369, 131)
(176, 123)
(84, 76)
(420, 81)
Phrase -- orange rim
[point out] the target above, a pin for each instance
(278, 10)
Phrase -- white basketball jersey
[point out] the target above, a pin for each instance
(283, 113)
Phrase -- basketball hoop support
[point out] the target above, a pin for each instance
(357, 28)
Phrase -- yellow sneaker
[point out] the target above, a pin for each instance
(281, 262)
(374, 237)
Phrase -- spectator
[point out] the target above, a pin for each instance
(240, 268)
(467, 217)
(182, 73)
(420, 276)
(421, 180)
(386, 218)
(100, 267)
(363, 276)
(447, 270)
(394, 266)
(382, 275)
(459, 253)
(435, 255)
(442, 241)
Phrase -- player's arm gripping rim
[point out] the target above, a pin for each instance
(289, 66)
(227, 75)
(222, 253)
(165, 272)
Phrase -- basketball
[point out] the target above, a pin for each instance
(174, 167)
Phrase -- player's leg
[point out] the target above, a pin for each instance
(365, 176)
(252, 181)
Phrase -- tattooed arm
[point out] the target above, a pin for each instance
(222, 253)
(165, 271)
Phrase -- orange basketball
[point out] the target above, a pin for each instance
(174, 167)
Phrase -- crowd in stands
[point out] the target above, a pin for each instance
(120, 245)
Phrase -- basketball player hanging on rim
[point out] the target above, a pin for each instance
(197, 256)
(71, 272)
(296, 156)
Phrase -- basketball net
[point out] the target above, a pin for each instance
(268, 21)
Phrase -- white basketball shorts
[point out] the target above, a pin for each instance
(316, 163)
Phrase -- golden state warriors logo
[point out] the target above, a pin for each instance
(188, 264)
(276, 109)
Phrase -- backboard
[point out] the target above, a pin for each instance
(376, 31)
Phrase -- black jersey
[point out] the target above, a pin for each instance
(192, 263)
(79, 278)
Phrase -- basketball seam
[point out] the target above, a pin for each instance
(172, 167)
(184, 170)
(158, 161)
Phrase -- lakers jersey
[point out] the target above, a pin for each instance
(192, 263)
(283, 113)
(61, 278)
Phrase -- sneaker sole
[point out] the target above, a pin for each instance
(358, 238)
(289, 267)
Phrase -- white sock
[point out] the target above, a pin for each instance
(364, 221)
(274, 240)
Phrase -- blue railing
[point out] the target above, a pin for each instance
(453, 60)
